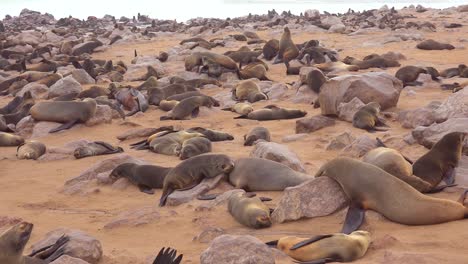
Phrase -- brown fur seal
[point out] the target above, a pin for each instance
(440, 162)
(255, 134)
(254, 70)
(452, 72)
(315, 79)
(96, 148)
(270, 49)
(240, 108)
(167, 105)
(195, 60)
(212, 135)
(30, 150)
(191, 172)
(375, 62)
(182, 96)
(367, 118)
(171, 144)
(68, 113)
(430, 44)
(325, 248)
(287, 49)
(146, 177)
(409, 74)
(369, 187)
(244, 57)
(94, 92)
(10, 140)
(248, 90)
(194, 146)
(155, 95)
(249, 211)
(189, 107)
(273, 112)
(198, 83)
(255, 174)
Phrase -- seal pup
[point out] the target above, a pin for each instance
(430, 44)
(189, 107)
(273, 112)
(256, 133)
(248, 90)
(10, 140)
(367, 118)
(249, 211)
(325, 248)
(171, 143)
(270, 49)
(168, 256)
(192, 171)
(398, 201)
(212, 135)
(254, 70)
(240, 108)
(452, 72)
(30, 150)
(68, 113)
(287, 49)
(96, 148)
(440, 162)
(255, 174)
(145, 177)
(194, 146)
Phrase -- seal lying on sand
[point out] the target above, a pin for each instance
(273, 112)
(96, 148)
(146, 177)
(249, 211)
(30, 150)
(367, 118)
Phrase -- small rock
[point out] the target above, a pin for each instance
(279, 153)
(64, 86)
(38, 91)
(347, 110)
(65, 259)
(103, 115)
(136, 217)
(311, 124)
(42, 128)
(291, 138)
(424, 116)
(25, 126)
(337, 28)
(359, 147)
(341, 141)
(428, 136)
(208, 234)
(82, 77)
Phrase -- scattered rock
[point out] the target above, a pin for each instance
(38, 91)
(428, 136)
(42, 128)
(208, 234)
(424, 116)
(82, 76)
(341, 141)
(455, 106)
(25, 126)
(65, 259)
(311, 124)
(291, 138)
(64, 86)
(359, 147)
(347, 110)
(279, 153)
(137, 217)
(103, 115)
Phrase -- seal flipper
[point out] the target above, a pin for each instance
(51, 252)
(145, 189)
(163, 199)
(309, 241)
(354, 218)
(318, 261)
(380, 143)
(449, 176)
(108, 146)
(207, 197)
(272, 243)
(195, 112)
(67, 125)
(241, 117)
(441, 188)
(462, 198)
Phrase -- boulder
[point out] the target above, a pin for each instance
(180, 197)
(64, 86)
(359, 147)
(38, 91)
(311, 124)
(42, 128)
(424, 116)
(135, 217)
(347, 110)
(279, 153)
(428, 136)
(314, 198)
(369, 87)
(82, 77)
(237, 249)
(341, 141)
(455, 106)
(103, 115)
(65, 259)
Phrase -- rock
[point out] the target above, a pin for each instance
(225, 99)
(25, 126)
(359, 147)
(304, 95)
(455, 106)
(228, 77)
(81, 245)
(337, 28)
(82, 77)
(65, 259)
(237, 249)
(312, 13)
(9, 221)
(331, 20)
(395, 257)
(314, 198)
(277, 91)
(42, 128)
(428, 136)
(103, 115)
(295, 137)
(369, 87)
(138, 72)
(180, 197)
(341, 141)
(137, 132)
(279, 153)
(38, 91)
(64, 86)
(136, 217)
(208, 234)
(347, 110)
(311, 124)
(424, 116)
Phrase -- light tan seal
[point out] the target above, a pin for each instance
(31, 150)
(171, 143)
(370, 187)
(68, 113)
(191, 172)
(10, 140)
(240, 108)
(212, 135)
(367, 118)
(189, 107)
(248, 90)
(145, 177)
(325, 248)
(249, 211)
(255, 134)
(255, 174)
(194, 146)
(273, 112)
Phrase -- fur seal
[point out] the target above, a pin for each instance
(94, 92)
(10, 140)
(325, 248)
(255, 134)
(212, 135)
(196, 60)
(398, 201)
(96, 148)
(255, 174)
(146, 177)
(171, 143)
(254, 70)
(30, 150)
(409, 74)
(273, 112)
(248, 90)
(189, 107)
(367, 118)
(192, 171)
(196, 83)
(194, 146)
(315, 79)
(244, 57)
(440, 162)
(68, 113)
(270, 49)
(240, 108)
(374, 62)
(249, 211)
(452, 72)
(430, 44)
(287, 49)
(155, 95)
(182, 96)
(337, 66)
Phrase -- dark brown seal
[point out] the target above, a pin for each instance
(146, 177)
(96, 148)
(189, 107)
(273, 112)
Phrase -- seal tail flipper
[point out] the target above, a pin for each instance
(168, 256)
(462, 199)
(241, 117)
(449, 176)
(195, 112)
(51, 252)
(144, 141)
(317, 261)
(354, 219)
(67, 125)
(440, 188)
(265, 199)
(380, 143)
(165, 194)
(272, 243)
(309, 241)
(207, 197)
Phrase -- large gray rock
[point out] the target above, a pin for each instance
(379, 87)
(347, 110)
(314, 198)
(341, 141)
(64, 86)
(38, 91)
(82, 76)
(103, 115)
(428, 136)
(136, 217)
(230, 249)
(25, 126)
(455, 106)
(42, 128)
(359, 147)
(65, 259)
(180, 197)
(80, 245)
(311, 124)
(424, 116)
(279, 153)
